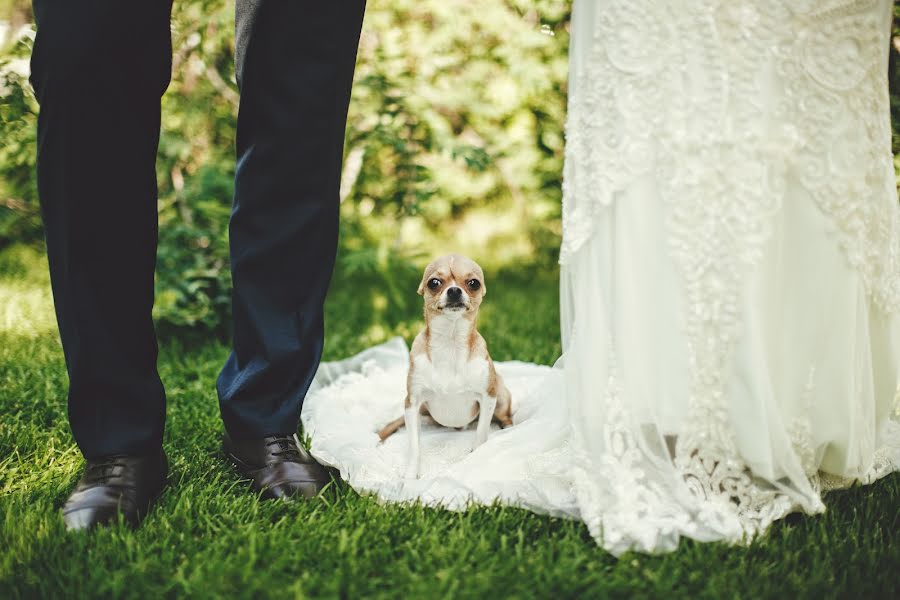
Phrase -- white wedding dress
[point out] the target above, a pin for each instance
(730, 287)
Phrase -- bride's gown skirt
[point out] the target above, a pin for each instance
(730, 287)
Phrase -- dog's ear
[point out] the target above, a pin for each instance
(421, 290)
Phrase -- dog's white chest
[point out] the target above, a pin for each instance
(450, 384)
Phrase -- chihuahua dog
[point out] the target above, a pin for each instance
(451, 375)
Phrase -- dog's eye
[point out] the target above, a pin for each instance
(434, 284)
(474, 284)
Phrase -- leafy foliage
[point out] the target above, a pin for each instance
(454, 142)
(456, 116)
(19, 218)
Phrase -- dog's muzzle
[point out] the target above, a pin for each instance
(454, 299)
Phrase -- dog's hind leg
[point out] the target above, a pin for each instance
(391, 428)
(503, 410)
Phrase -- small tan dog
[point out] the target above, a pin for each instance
(451, 375)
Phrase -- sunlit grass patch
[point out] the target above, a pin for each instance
(26, 305)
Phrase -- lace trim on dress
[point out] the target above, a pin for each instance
(830, 60)
(712, 149)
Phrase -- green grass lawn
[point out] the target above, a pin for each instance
(210, 537)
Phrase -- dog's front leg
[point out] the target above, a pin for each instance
(411, 416)
(486, 407)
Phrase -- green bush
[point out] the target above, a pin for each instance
(19, 215)
(454, 141)
(457, 113)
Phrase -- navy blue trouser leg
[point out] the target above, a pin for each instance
(294, 66)
(99, 68)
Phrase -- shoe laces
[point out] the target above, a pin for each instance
(287, 448)
(104, 469)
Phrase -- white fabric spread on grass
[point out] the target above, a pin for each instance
(351, 400)
(730, 287)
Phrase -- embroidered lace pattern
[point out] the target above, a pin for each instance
(828, 57)
(681, 90)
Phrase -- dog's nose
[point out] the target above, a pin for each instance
(454, 294)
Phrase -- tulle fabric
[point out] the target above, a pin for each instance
(730, 288)
(525, 465)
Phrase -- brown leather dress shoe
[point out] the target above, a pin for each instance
(116, 484)
(278, 466)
